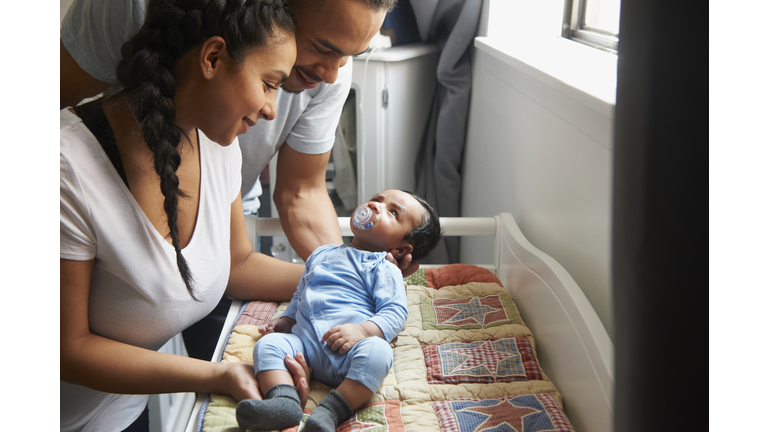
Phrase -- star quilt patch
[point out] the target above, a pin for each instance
(517, 413)
(496, 360)
(468, 312)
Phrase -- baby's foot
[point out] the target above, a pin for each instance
(331, 411)
(279, 410)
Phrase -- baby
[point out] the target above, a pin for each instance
(348, 307)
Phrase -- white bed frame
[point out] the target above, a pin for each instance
(573, 348)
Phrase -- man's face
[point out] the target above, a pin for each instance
(327, 33)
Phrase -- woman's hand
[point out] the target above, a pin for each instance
(240, 381)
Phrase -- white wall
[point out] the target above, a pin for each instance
(542, 150)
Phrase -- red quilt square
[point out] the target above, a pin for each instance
(494, 360)
(458, 274)
(376, 416)
(470, 310)
(257, 313)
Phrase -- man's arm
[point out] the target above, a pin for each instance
(305, 208)
(75, 83)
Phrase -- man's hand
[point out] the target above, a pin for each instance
(406, 265)
(300, 372)
(277, 325)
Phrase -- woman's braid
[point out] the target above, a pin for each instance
(171, 28)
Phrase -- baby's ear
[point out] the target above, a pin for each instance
(403, 249)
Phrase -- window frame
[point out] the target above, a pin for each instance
(574, 28)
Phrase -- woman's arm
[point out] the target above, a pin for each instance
(255, 276)
(115, 367)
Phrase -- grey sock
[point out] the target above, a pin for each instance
(280, 409)
(331, 411)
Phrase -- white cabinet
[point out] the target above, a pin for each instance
(394, 89)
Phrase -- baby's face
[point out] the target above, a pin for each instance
(395, 214)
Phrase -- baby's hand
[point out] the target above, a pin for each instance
(277, 325)
(268, 327)
(343, 337)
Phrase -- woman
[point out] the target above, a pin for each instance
(152, 226)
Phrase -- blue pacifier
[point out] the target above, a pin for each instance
(362, 217)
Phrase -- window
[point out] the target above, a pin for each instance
(527, 35)
(593, 22)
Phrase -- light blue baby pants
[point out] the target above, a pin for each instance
(368, 362)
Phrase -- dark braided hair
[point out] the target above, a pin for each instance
(171, 29)
(424, 238)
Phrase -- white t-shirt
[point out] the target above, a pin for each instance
(137, 295)
(94, 30)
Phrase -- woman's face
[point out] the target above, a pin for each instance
(237, 95)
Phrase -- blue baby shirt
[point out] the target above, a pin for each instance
(343, 285)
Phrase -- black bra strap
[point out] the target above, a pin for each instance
(96, 121)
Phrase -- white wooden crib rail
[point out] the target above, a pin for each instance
(572, 345)
(453, 226)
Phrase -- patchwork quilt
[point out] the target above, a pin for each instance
(464, 362)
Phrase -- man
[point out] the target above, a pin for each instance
(308, 105)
